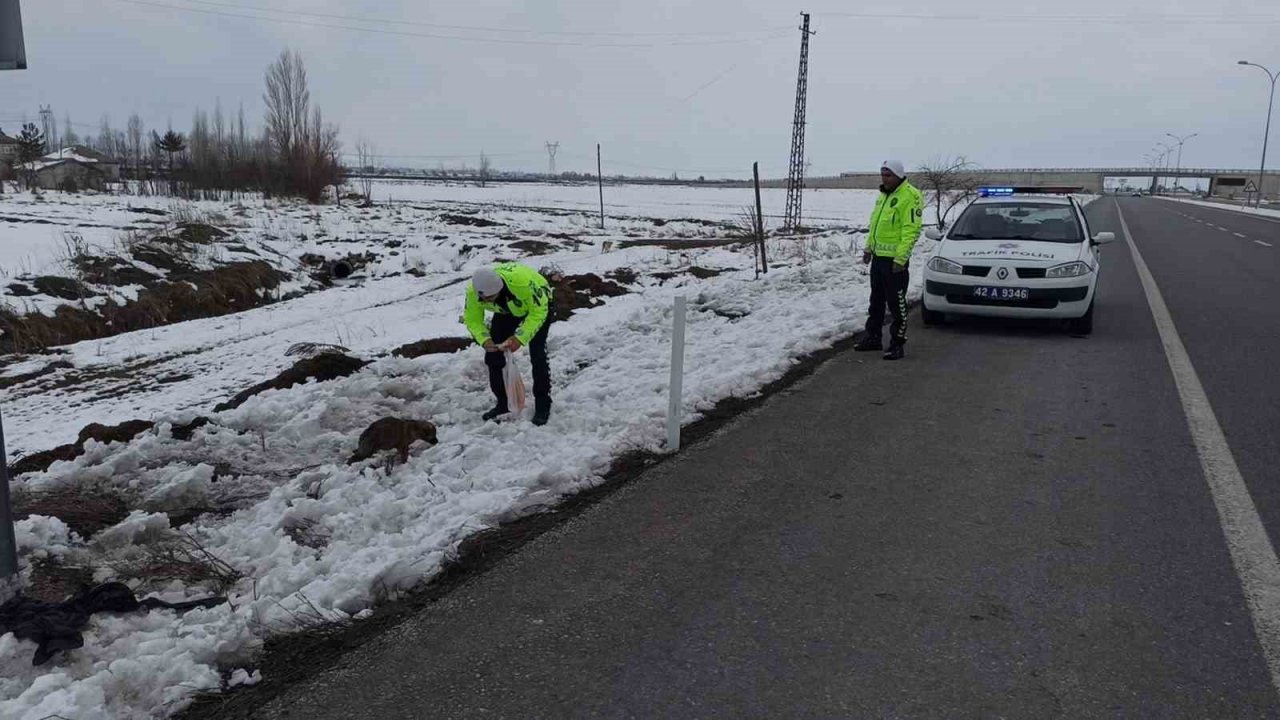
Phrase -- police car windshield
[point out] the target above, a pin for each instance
(1043, 222)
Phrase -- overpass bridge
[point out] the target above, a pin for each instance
(1223, 183)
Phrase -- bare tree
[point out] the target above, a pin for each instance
(365, 159)
(485, 165)
(305, 148)
(288, 100)
(948, 182)
(135, 133)
(69, 136)
(106, 136)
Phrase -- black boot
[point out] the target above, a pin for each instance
(868, 343)
(895, 352)
(541, 411)
(498, 411)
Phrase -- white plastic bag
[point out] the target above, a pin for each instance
(515, 385)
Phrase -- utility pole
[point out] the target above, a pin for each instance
(552, 147)
(1262, 168)
(13, 53)
(13, 56)
(48, 126)
(600, 184)
(795, 175)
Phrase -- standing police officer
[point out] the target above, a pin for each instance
(520, 300)
(895, 227)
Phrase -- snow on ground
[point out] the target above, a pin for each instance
(1264, 212)
(317, 539)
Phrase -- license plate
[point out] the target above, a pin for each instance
(1002, 293)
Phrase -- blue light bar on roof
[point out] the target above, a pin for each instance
(994, 191)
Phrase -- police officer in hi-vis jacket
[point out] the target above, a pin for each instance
(895, 227)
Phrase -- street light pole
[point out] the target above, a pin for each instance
(1180, 141)
(13, 56)
(1266, 132)
(1168, 153)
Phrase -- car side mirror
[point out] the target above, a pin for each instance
(1103, 238)
(933, 234)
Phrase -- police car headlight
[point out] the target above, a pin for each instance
(1068, 270)
(943, 265)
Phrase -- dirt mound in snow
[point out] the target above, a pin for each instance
(206, 293)
(391, 433)
(581, 292)
(185, 432)
(160, 257)
(85, 512)
(433, 346)
(699, 272)
(199, 233)
(56, 365)
(61, 287)
(472, 220)
(327, 366)
(113, 271)
(39, 462)
(532, 247)
(624, 275)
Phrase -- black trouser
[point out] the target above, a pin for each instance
(503, 326)
(888, 287)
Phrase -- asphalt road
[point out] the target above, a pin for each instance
(1012, 522)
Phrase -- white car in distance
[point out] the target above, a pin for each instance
(1018, 256)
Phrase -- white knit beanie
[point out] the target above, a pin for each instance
(895, 167)
(487, 282)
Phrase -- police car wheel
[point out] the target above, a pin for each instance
(931, 317)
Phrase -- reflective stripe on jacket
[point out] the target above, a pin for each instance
(895, 223)
(527, 294)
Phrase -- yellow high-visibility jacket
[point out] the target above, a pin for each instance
(895, 223)
(527, 295)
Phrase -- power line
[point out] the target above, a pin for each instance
(475, 28)
(441, 157)
(1140, 19)
(662, 168)
(437, 36)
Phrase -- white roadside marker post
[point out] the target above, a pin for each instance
(8, 544)
(677, 375)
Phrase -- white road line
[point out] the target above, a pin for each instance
(1240, 235)
(1251, 552)
(1264, 244)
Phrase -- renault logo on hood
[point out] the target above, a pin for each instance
(1007, 246)
(1002, 273)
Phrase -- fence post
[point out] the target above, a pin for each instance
(676, 387)
(764, 262)
(600, 184)
(8, 544)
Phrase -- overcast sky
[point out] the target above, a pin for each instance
(696, 88)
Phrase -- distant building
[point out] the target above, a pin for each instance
(75, 167)
(64, 175)
(109, 168)
(8, 148)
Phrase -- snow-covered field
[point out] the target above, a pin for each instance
(313, 538)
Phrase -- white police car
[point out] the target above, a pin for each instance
(1015, 255)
